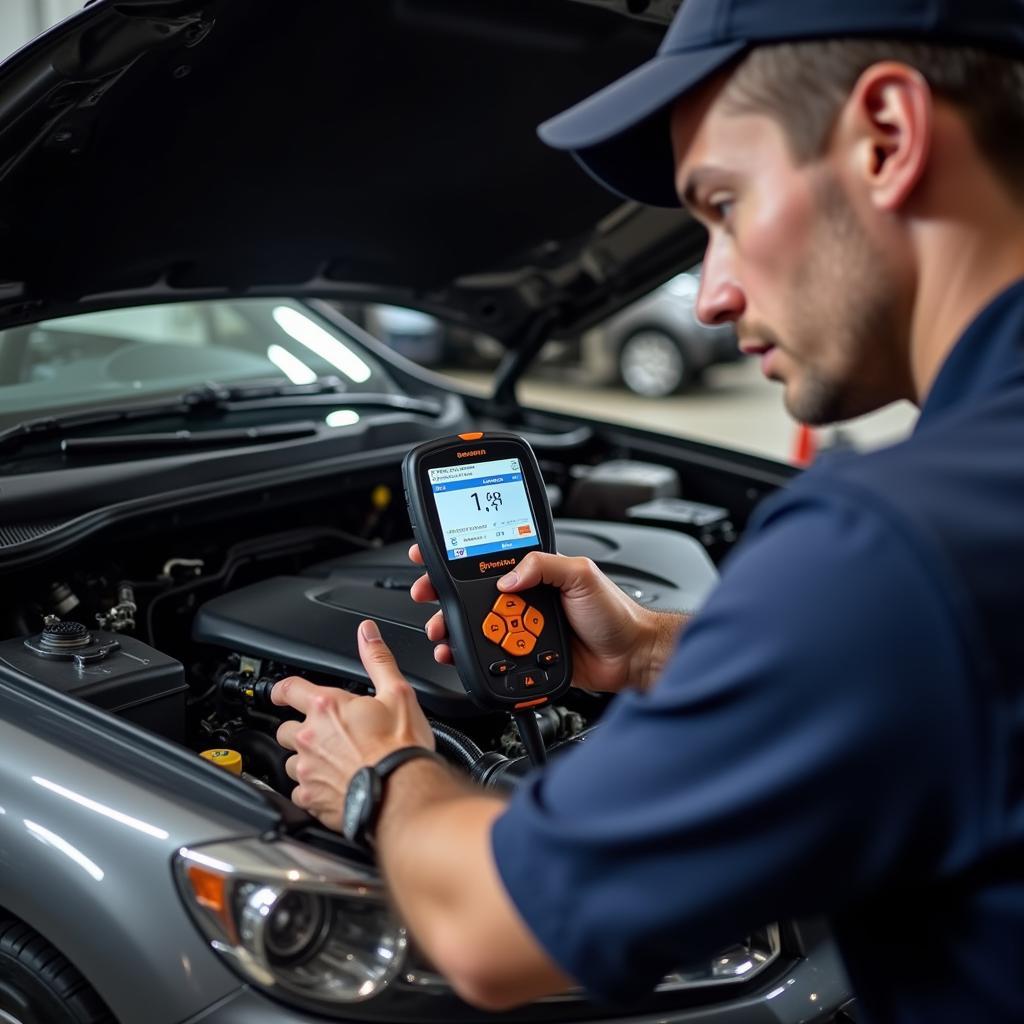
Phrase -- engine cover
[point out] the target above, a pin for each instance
(308, 622)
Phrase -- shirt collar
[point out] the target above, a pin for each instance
(989, 353)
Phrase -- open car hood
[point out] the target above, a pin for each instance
(159, 150)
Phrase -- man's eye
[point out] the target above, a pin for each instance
(721, 208)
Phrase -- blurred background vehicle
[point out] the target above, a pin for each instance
(655, 347)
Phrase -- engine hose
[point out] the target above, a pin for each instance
(262, 756)
(503, 773)
(456, 746)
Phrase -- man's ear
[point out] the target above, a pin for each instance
(886, 127)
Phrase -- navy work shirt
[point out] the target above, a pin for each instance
(840, 731)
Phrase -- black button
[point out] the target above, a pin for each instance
(548, 658)
(526, 682)
(501, 668)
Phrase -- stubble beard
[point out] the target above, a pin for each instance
(847, 318)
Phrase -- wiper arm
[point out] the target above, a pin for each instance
(216, 395)
(212, 399)
(324, 391)
(188, 439)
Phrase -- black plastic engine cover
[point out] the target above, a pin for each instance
(309, 622)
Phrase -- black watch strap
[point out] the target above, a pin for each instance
(389, 762)
(382, 769)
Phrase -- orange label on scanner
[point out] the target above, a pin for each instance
(500, 564)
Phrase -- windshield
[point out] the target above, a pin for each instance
(147, 350)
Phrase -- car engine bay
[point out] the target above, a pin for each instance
(192, 652)
(184, 633)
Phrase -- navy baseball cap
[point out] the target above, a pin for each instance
(621, 134)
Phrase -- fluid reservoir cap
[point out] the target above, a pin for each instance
(63, 636)
(231, 760)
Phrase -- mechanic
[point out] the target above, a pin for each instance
(840, 730)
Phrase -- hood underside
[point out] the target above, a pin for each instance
(155, 150)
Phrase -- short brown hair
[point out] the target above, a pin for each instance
(803, 85)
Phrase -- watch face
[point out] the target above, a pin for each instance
(359, 804)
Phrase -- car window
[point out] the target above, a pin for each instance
(160, 348)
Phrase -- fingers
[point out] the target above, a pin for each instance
(557, 570)
(437, 634)
(415, 555)
(300, 693)
(423, 590)
(286, 734)
(435, 628)
(380, 663)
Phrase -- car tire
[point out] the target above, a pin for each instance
(39, 985)
(653, 364)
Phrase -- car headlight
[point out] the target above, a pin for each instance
(304, 926)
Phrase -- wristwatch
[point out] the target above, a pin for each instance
(365, 794)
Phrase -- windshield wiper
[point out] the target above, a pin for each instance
(210, 400)
(188, 439)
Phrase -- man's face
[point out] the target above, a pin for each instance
(790, 259)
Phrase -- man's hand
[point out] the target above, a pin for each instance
(342, 732)
(463, 919)
(616, 642)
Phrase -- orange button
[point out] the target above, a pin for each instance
(531, 703)
(518, 643)
(494, 628)
(509, 604)
(534, 621)
(471, 437)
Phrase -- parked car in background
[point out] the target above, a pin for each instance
(657, 346)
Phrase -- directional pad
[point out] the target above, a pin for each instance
(512, 625)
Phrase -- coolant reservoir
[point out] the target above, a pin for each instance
(230, 760)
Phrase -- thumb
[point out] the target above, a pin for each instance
(379, 662)
(567, 574)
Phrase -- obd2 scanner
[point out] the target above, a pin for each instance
(478, 506)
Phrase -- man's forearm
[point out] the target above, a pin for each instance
(434, 846)
(433, 830)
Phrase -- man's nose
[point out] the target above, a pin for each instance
(720, 299)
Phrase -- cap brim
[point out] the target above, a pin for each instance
(620, 135)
